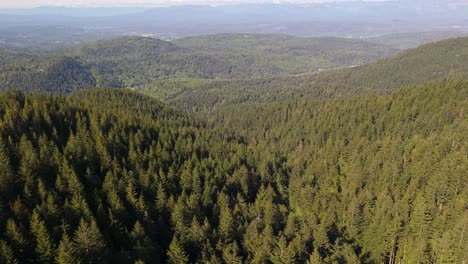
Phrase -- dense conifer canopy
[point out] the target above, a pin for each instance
(370, 172)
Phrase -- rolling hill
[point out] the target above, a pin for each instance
(414, 39)
(287, 54)
(134, 61)
(362, 164)
(236, 148)
(55, 74)
(446, 59)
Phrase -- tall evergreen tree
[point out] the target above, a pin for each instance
(66, 253)
(44, 246)
(177, 253)
(90, 244)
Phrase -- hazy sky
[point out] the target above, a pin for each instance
(94, 3)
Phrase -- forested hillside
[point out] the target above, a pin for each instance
(435, 61)
(277, 54)
(415, 39)
(257, 157)
(113, 176)
(374, 179)
(135, 61)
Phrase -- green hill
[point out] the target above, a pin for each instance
(130, 61)
(439, 60)
(414, 39)
(283, 54)
(435, 61)
(56, 74)
(135, 61)
(65, 75)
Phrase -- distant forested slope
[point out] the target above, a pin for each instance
(113, 176)
(134, 61)
(436, 61)
(286, 54)
(415, 39)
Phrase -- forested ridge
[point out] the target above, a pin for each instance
(446, 59)
(135, 61)
(110, 175)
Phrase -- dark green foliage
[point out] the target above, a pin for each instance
(437, 61)
(371, 179)
(44, 247)
(176, 253)
(66, 251)
(96, 177)
(90, 244)
(135, 61)
(66, 75)
(56, 74)
(6, 254)
(113, 176)
(273, 55)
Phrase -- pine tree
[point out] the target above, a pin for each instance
(231, 254)
(281, 253)
(14, 234)
(6, 172)
(142, 245)
(161, 198)
(226, 224)
(226, 220)
(6, 253)
(90, 244)
(315, 258)
(66, 253)
(177, 253)
(44, 247)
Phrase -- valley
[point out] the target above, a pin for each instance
(235, 148)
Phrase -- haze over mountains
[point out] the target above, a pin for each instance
(342, 19)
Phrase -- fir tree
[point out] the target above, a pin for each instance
(90, 244)
(44, 247)
(66, 253)
(177, 253)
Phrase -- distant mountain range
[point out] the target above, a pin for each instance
(351, 19)
(389, 8)
(73, 11)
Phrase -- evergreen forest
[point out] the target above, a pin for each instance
(110, 156)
